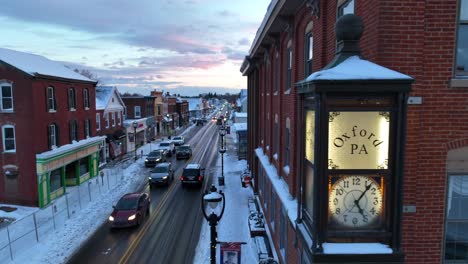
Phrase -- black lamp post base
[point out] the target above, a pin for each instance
(221, 181)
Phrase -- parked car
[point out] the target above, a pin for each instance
(192, 174)
(162, 174)
(178, 140)
(168, 146)
(154, 157)
(130, 210)
(184, 152)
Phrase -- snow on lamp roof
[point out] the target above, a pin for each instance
(356, 248)
(355, 68)
(35, 65)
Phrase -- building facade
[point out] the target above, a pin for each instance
(421, 39)
(142, 107)
(110, 111)
(182, 109)
(48, 129)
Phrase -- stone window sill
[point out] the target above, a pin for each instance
(458, 83)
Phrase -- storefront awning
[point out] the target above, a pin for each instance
(118, 134)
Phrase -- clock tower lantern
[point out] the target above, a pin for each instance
(353, 116)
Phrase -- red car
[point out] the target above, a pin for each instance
(130, 210)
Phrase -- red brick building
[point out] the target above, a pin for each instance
(426, 40)
(48, 125)
(138, 107)
(182, 107)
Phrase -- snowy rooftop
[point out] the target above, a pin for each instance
(65, 148)
(34, 64)
(355, 68)
(103, 93)
(268, 13)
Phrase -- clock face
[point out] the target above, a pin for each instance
(355, 202)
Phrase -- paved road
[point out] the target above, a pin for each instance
(171, 233)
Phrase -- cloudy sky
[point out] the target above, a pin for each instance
(182, 46)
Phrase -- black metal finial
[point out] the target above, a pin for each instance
(348, 30)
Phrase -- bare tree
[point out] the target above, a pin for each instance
(90, 75)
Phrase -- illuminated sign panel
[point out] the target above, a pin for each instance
(309, 136)
(358, 140)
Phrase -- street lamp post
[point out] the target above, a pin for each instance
(213, 198)
(222, 150)
(135, 125)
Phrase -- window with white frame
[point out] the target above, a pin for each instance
(137, 111)
(7, 97)
(86, 98)
(87, 128)
(120, 117)
(268, 73)
(289, 59)
(456, 234)
(275, 137)
(71, 99)
(309, 53)
(345, 7)
(51, 104)
(106, 119)
(113, 119)
(9, 140)
(287, 145)
(276, 85)
(52, 131)
(98, 121)
(283, 243)
(461, 68)
(272, 208)
(73, 131)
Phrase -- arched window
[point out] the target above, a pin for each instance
(289, 64)
(345, 7)
(461, 64)
(9, 140)
(71, 99)
(86, 98)
(87, 128)
(309, 49)
(52, 134)
(51, 103)
(73, 131)
(6, 102)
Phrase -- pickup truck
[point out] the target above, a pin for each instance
(168, 146)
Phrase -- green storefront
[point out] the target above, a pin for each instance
(68, 165)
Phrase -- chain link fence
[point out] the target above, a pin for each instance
(20, 235)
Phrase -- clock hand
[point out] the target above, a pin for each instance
(364, 192)
(356, 202)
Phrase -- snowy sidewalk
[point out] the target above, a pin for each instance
(234, 224)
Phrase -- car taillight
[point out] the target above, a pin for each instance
(182, 178)
(200, 178)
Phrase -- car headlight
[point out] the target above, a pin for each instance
(111, 218)
(149, 178)
(146, 160)
(158, 160)
(164, 177)
(132, 217)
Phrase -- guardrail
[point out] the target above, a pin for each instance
(30, 230)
